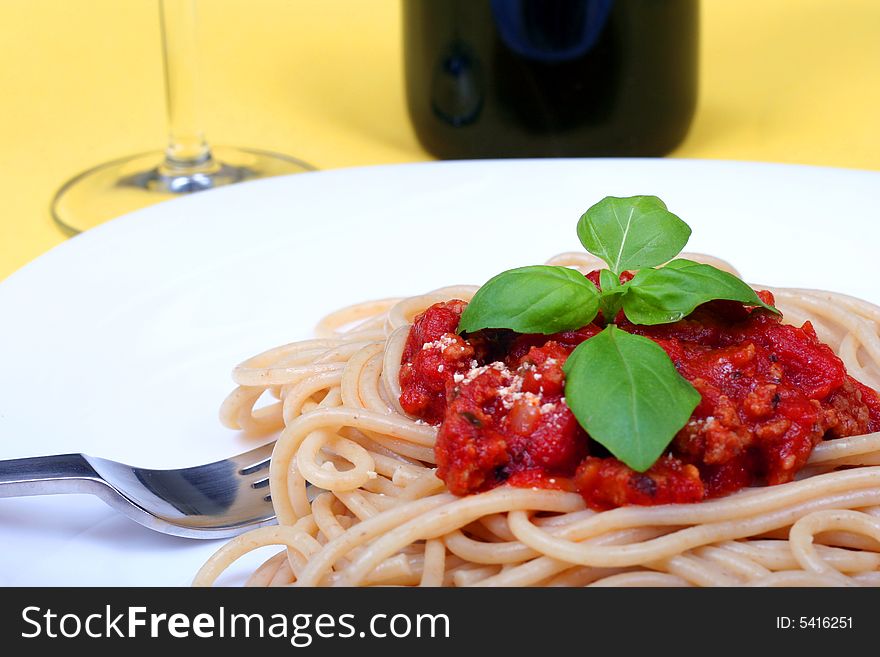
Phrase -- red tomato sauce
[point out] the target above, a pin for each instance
(770, 392)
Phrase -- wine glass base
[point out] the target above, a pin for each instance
(115, 188)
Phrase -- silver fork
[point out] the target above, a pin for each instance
(215, 500)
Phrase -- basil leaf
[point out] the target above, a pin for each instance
(631, 233)
(537, 299)
(608, 280)
(626, 393)
(610, 298)
(661, 296)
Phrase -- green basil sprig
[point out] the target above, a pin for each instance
(622, 388)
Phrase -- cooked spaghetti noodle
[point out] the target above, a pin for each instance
(353, 482)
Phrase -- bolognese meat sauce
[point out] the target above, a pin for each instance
(769, 393)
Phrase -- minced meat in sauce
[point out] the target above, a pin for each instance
(770, 392)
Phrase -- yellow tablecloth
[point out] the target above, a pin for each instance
(81, 80)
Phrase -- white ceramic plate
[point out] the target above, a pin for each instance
(119, 343)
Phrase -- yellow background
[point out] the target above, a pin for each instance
(81, 83)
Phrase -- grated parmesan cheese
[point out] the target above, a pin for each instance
(441, 344)
(511, 391)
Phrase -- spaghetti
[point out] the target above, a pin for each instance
(382, 517)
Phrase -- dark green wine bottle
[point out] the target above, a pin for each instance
(543, 78)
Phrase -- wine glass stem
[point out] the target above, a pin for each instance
(188, 150)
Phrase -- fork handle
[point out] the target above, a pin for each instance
(48, 475)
